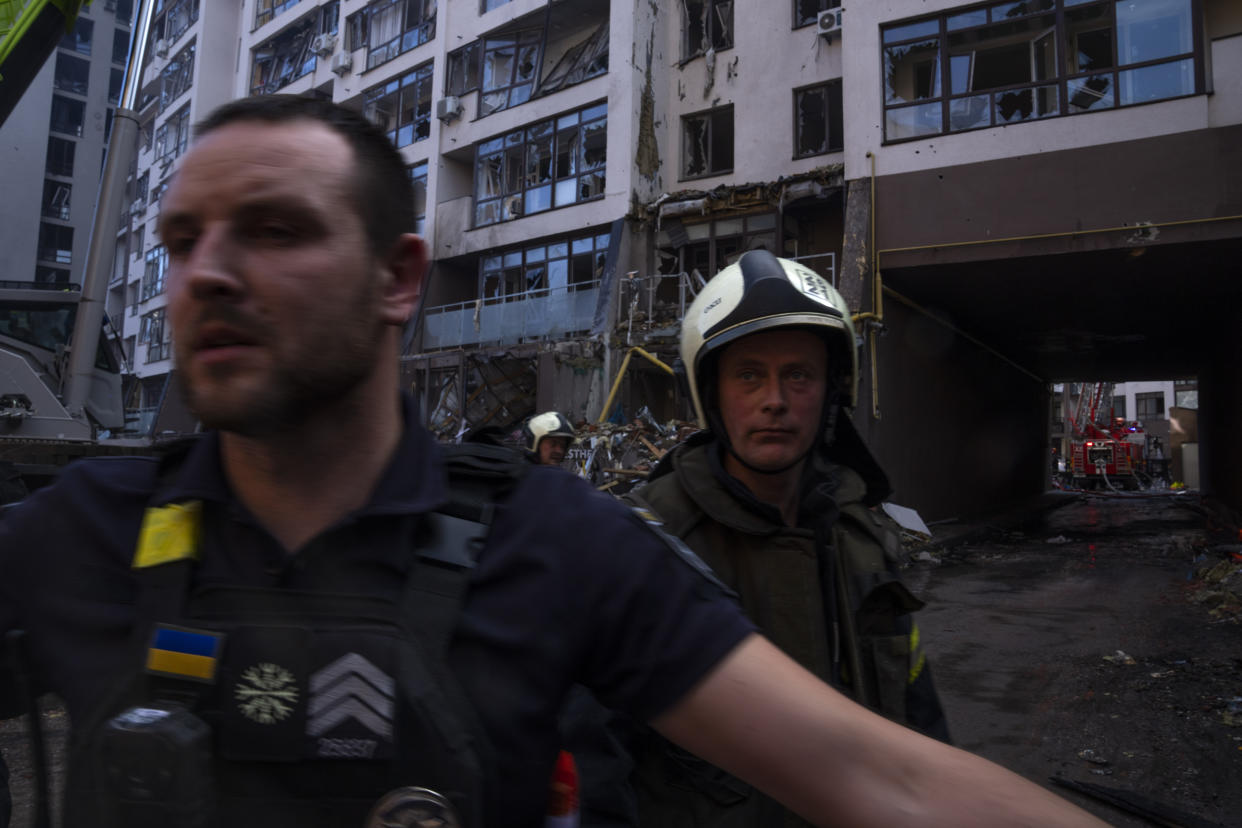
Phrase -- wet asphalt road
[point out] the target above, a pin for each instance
(1024, 626)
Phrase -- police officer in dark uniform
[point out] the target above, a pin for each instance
(314, 617)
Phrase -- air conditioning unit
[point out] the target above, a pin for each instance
(342, 62)
(161, 48)
(829, 22)
(323, 44)
(448, 108)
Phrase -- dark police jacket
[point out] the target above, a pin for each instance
(592, 597)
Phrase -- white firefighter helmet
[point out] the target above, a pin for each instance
(760, 292)
(547, 424)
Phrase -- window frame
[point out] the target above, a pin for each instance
(154, 272)
(410, 36)
(709, 115)
(66, 127)
(1076, 91)
(1141, 414)
(64, 147)
(565, 161)
(57, 199)
(80, 38)
(418, 181)
(59, 253)
(522, 40)
(68, 80)
(688, 51)
(834, 115)
(419, 84)
(516, 265)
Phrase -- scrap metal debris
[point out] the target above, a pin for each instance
(617, 457)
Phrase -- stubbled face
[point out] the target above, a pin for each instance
(771, 389)
(274, 294)
(552, 450)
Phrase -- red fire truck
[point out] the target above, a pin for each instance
(1104, 451)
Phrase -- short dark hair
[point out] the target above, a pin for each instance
(383, 194)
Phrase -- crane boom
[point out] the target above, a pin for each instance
(29, 32)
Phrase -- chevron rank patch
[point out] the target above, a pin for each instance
(180, 652)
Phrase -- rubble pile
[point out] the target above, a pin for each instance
(1218, 583)
(618, 457)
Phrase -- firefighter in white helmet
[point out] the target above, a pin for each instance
(546, 438)
(776, 494)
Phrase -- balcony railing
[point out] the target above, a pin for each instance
(524, 317)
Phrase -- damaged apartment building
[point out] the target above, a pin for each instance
(1009, 194)
(581, 167)
(592, 173)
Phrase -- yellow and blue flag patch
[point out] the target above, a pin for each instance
(183, 653)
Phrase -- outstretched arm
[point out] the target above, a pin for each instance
(762, 717)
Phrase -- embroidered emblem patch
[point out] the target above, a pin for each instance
(266, 693)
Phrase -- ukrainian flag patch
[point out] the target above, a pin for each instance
(183, 653)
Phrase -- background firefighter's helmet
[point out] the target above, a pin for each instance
(760, 292)
(547, 424)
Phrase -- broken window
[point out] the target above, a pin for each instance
(72, 74)
(154, 272)
(1007, 62)
(120, 46)
(168, 22)
(418, 178)
(402, 107)
(548, 164)
(153, 333)
(138, 240)
(265, 10)
(57, 276)
(68, 116)
(390, 28)
(56, 243)
(709, 25)
(463, 69)
(807, 12)
(707, 143)
(289, 54)
(817, 120)
(176, 77)
(172, 136)
(116, 80)
(580, 62)
(535, 270)
(79, 38)
(510, 64)
(709, 246)
(56, 199)
(60, 156)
